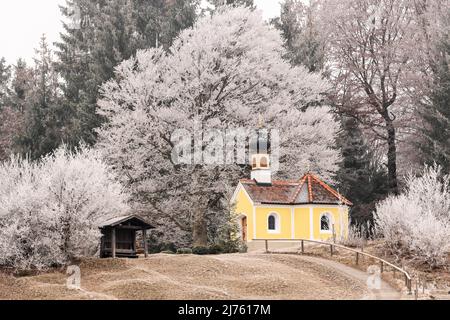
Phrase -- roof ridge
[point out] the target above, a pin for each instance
(311, 198)
(299, 188)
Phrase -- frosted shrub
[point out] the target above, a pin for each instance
(417, 223)
(355, 236)
(50, 210)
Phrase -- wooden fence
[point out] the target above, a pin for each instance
(358, 253)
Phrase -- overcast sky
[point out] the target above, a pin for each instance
(22, 22)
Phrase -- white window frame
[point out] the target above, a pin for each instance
(277, 222)
(330, 220)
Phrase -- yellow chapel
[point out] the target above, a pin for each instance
(306, 208)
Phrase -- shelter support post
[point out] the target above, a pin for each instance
(144, 236)
(113, 242)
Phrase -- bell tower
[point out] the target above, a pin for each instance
(260, 158)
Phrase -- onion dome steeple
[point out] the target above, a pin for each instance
(260, 158)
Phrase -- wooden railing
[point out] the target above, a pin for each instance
(358, 253)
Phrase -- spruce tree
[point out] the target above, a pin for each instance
(360, 177)
(104, 34)
(158, 22)
(21, 85)
(43, 111)
(435, 147)
(303, 40)
(5, 75)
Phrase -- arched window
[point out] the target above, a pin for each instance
(264, 162)
(273, 222)
(325, 222)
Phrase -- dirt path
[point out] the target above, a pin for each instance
(235, 276)
(386, 291)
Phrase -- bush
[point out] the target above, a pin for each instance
(155, 247)
(219, 248)
(50, 210)
(200, 250)
(216, 249)
(231, 246)
(416, 224)
(168, 246)
(184, 251)
(243, 248)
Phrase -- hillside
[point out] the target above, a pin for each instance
(238, 276)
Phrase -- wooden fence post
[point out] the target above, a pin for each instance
(357, 258)
(381, 266)
(331, 249)
(267, 246)
(334, 233)
(303, 247)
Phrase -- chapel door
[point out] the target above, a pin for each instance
(244, 228)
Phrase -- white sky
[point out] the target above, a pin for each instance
(22, 22)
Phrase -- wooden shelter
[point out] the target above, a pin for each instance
(119, 236)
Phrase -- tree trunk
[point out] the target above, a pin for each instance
(392, 157)
(200, 235)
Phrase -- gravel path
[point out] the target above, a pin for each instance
(234, 276)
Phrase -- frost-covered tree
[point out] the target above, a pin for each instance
(50, 210)
(222, 74)
(417, 222)
(368, 52)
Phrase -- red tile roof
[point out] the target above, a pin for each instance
(309, 189)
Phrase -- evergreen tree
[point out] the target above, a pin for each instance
(43, 112)
(436, 145)
(360, 177)
(21, 85)
(158, 22)
(12, 113)
(303, 41)
(103, 34)
(5, 75)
